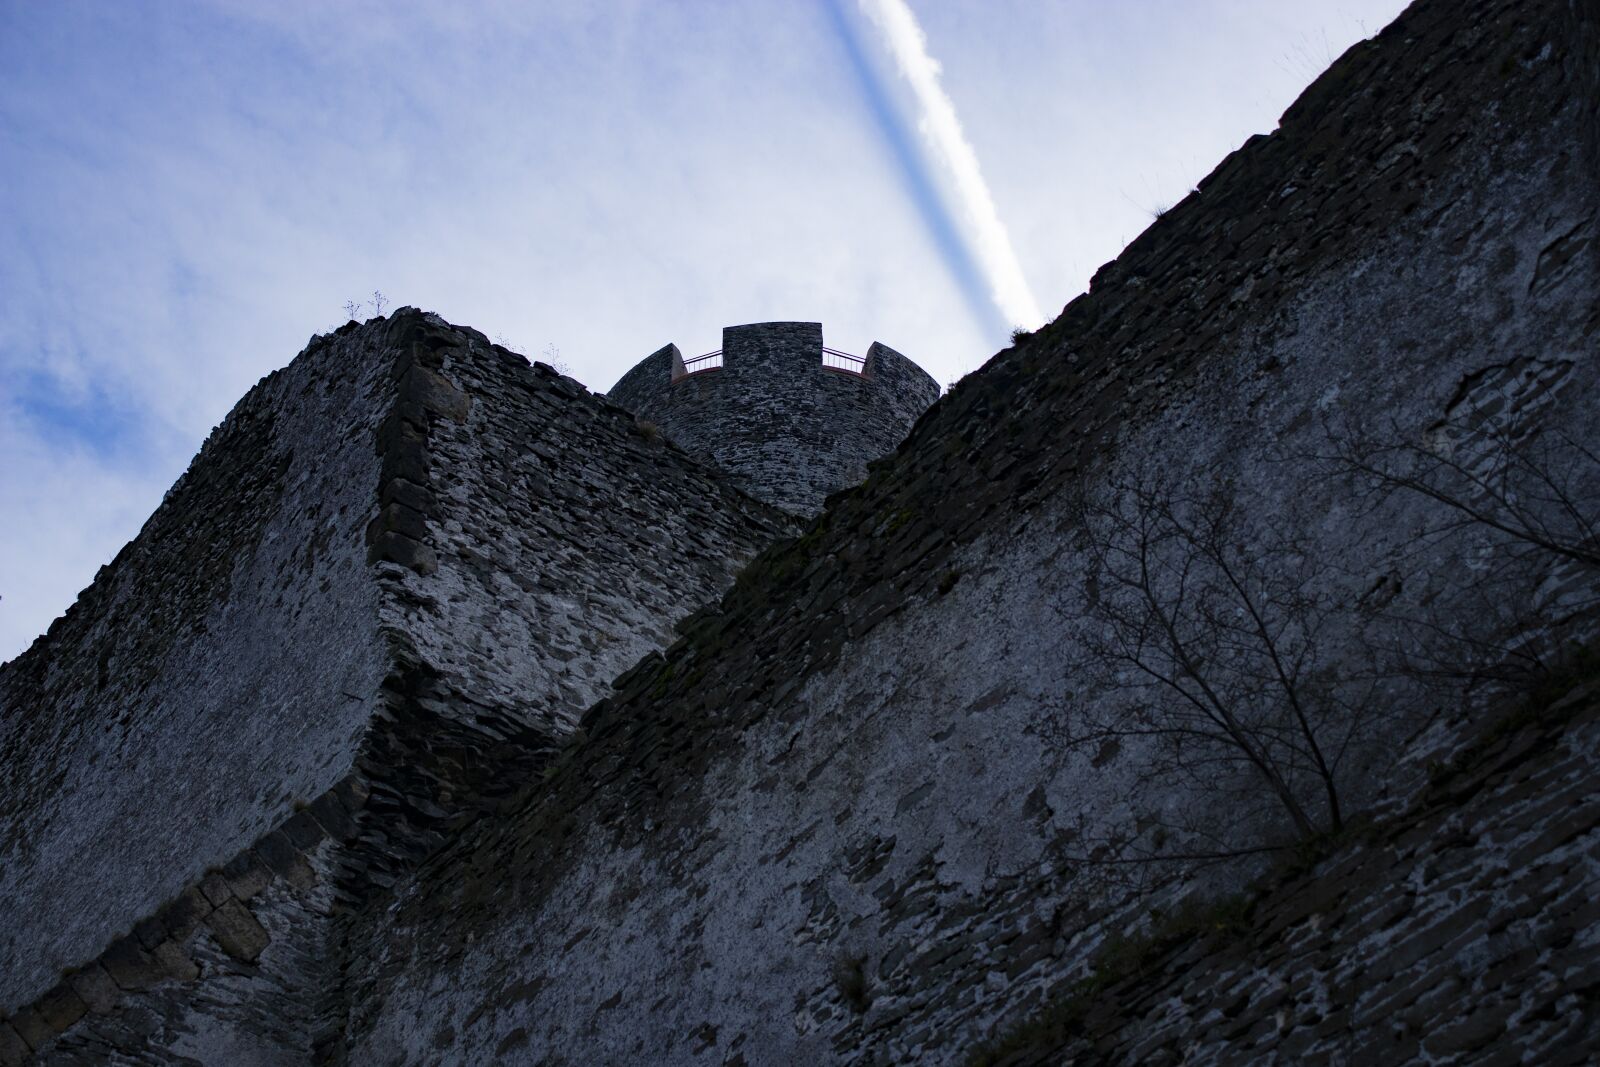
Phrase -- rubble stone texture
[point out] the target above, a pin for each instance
(383, 593)
(836, 823)
(786, 426)
(830, 816)
(1467, 930)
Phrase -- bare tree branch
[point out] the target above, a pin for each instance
(1217, 654)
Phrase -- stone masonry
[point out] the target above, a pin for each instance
(837, 822)
(448, 713)
(1465, 929)
(383, 593)
(788, 428)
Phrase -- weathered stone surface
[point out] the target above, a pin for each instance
(184, 914)
(1462, 971)
(150, 932)
(215, 889)
(788, 426)
(283, 859)
(568, 544)
(834, 817)
(237, 931)
(332, 817)
(175, 961)
(13, 1050)
(61, 1007)
(95, 987)
(247, 875)
(753, 808)
(302, 830)
(170, 716)
(544, 513)
(131, 966)
(30, 1026)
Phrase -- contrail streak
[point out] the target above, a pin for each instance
(949, 146)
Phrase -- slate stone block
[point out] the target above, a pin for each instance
(32, 1027)
(61, 1007)
(175, 961)
(437, 394)
(332, 817)
(96, 989)
(407, 457)
(398, 518)
(215, 888)
(277, 852)
(238, 932)
(400, 491)
(247, 874)
(131, 967)
(394, 547)
(398, 433)
(1473, 1031)
(303, 831)
(13, 1050)
(352, 792)
(150, 932)
(183, 916)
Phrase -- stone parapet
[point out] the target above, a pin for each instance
(843, 820)
(788, 425)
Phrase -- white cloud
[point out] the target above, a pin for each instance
(942, 130)
(70, 511)
(193, 189)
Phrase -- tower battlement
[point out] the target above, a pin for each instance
(790, 420)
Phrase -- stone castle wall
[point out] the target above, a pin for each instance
(838, 822)
(837, 819)
(1463, 931)
(786, 428)
(486, 543)
(221, 669)
(559, 543)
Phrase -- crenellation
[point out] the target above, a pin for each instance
(768, 409)
(446, 712)
(920, 633)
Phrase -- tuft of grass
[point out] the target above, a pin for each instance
(1120, 958)
(1550, 702)
(1540, 706)
(897, 520)
(850, 978)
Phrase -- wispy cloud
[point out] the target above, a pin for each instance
(192, 189)
(920, 185)
(950, 149)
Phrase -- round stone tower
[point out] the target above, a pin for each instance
(789, 420)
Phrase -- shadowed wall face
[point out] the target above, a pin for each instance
(385, 590)
(843, 821)
(787, 429)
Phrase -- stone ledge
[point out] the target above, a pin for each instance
(155, 952)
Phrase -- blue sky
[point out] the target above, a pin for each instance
(190, 190)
